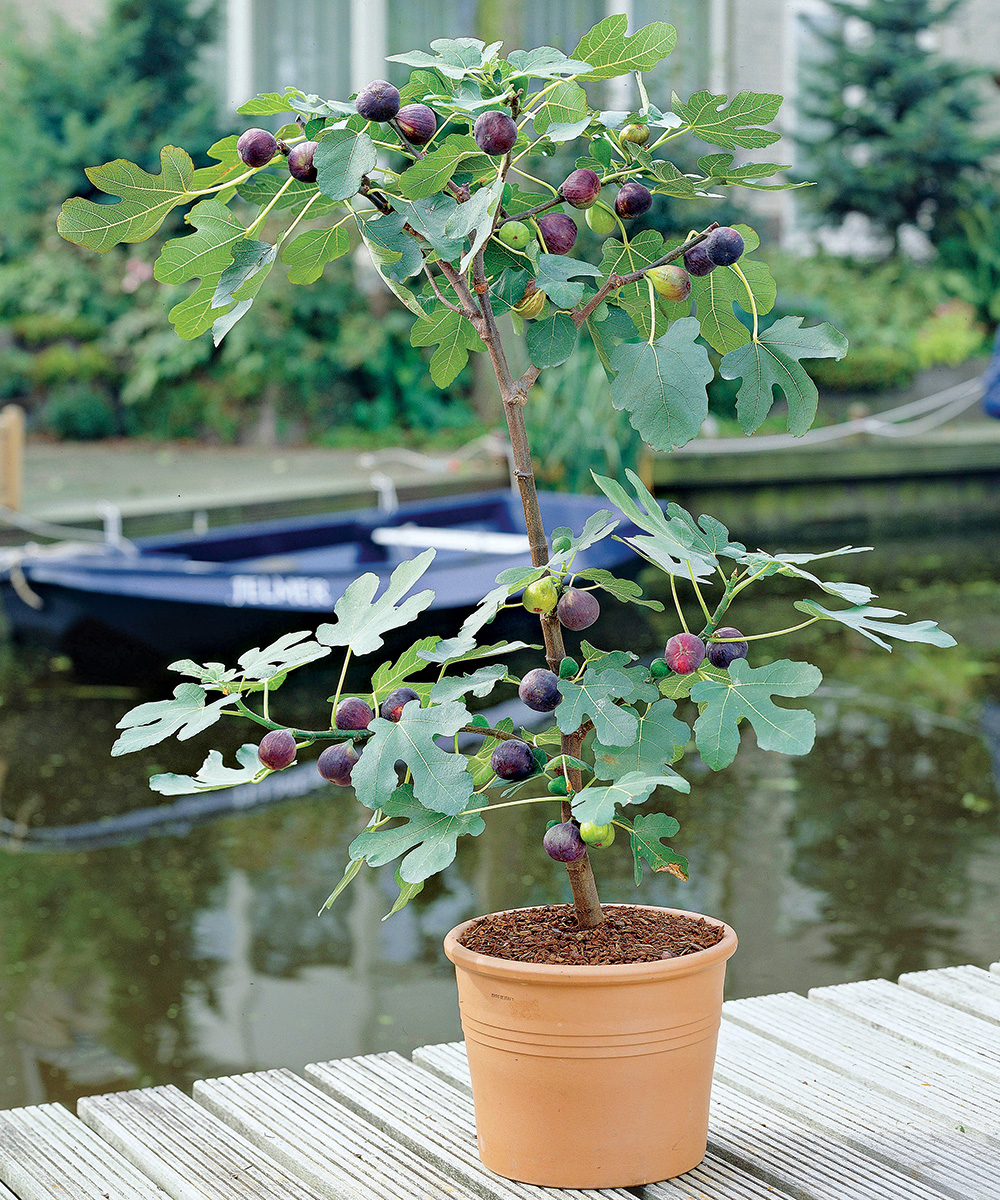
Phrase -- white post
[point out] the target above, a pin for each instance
(620, 91)
(718, 47)
(369, 41)
(239, 53)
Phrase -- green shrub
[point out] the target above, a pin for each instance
(950, 336)
(42, 329)
(15, 380)
(66, 363)
(79, 414)
(865, 369)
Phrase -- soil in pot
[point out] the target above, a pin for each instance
(628, 934)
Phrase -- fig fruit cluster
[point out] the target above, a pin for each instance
(685, 652)
(575, 608)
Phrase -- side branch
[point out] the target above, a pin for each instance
(614, 282)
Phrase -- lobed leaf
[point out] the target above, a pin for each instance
(432, 173)
(553, 277)
(594, 698)
(619, 259)
(454, 337)
(309, 253)
(610, 52)
(551, 340)
(870, 622)
(389, 676)
(342, 160)
(627, 591)
(660, 741)
(737, 123)
(599, 804)
(284, 654)
(362, 620)
(213, 775)
(480, 683)
(648, 832)
(186, 714)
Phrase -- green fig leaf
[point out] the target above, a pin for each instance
(870, 622)
(610, 52)
(659, 742)
(648, 832)
(362, 620)
(213, 775)
(737, 123)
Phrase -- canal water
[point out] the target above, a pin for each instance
(201, 954)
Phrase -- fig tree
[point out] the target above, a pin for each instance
(379, 101)
(581, 188)
(257, 147)
(632, 201)
(495, 132)
(558, 232)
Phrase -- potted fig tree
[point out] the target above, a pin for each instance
(589, 1027)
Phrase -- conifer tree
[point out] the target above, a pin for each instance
(895, 126)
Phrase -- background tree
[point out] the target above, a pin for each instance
(893, 124)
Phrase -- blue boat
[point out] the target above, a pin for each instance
(117, 610)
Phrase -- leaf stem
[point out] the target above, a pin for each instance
(467, 812)
(753, 304)
(535, 179)
(652, 312)
(340, 687)
(757, 637)
(697, 592)
(677, 603)
(262, 216)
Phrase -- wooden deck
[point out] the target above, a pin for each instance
(865, 1091)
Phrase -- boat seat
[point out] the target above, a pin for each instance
(471, 541)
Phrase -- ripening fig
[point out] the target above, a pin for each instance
(257, 147)
(638, 135)
(697, 262)
(581, 188)
(632, 200)
(558, 232)
(658, 669)
(721, 654)
(540, 596)
(561, 544)
(531, 303)
(568, 668)
(597, 835)
(577, 609)
(513, 760)
(557, 786)
(724, 246)
(352, 713)
(300, 162)
(379, 101)
(277, 749)
(417, 123)
(539, 690)
(392, 706)
(563, 842)
(672, 283)
(514, 234)
(601, 220)
(337, 762)
(685, 653)
(495, 132)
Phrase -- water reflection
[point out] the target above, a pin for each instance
(182, 957)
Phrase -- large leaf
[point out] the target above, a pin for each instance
(551, 340)
(663, 386)
(440, 780)
(668, 542)
(145, 201)
(186, 714)
(455, 57)
(773, 361)
(389, 676)
(431, 173)
(196, 313)
(616, 327)
(598, 804)
(213, 775)
(207, 252)
(648, 832)
(707, 534)
(309, 253)
(429, 217)
(678, 687)
(464, 643)
(474, 219)
(618, 259)
(763, 565)
(566, 104)
(594, 698)
(738, 123)
(627, 591)
(553, 278)
(481, 682)
(362, 620)
(748, 693)
(453, 335)
(611, 52)
(659, 742)
(870, 622)
(264, 187)
(342, 159)
(394, 251)
(285, 654)
(428, 839)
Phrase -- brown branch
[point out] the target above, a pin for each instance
(460, 194)
(614, 282)
(558, 198)
(437, 291)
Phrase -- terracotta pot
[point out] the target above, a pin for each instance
(591, 1077)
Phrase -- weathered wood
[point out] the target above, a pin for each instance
(920, 1020)
(333, 1149)
(190, 1153)
(913, 1074)
(849, 1109)
(432, 1119)
(46, 1152)
(970, 989)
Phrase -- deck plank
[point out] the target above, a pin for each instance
(434, 1121)
(966, 1040)
(297, 1123)
(894, 1067)
(753, 1147)
(969, 989)
(906, 1138)
(45, 1151)
(386, 1087)
(190, 1153)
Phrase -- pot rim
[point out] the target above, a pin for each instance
(590, 974)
